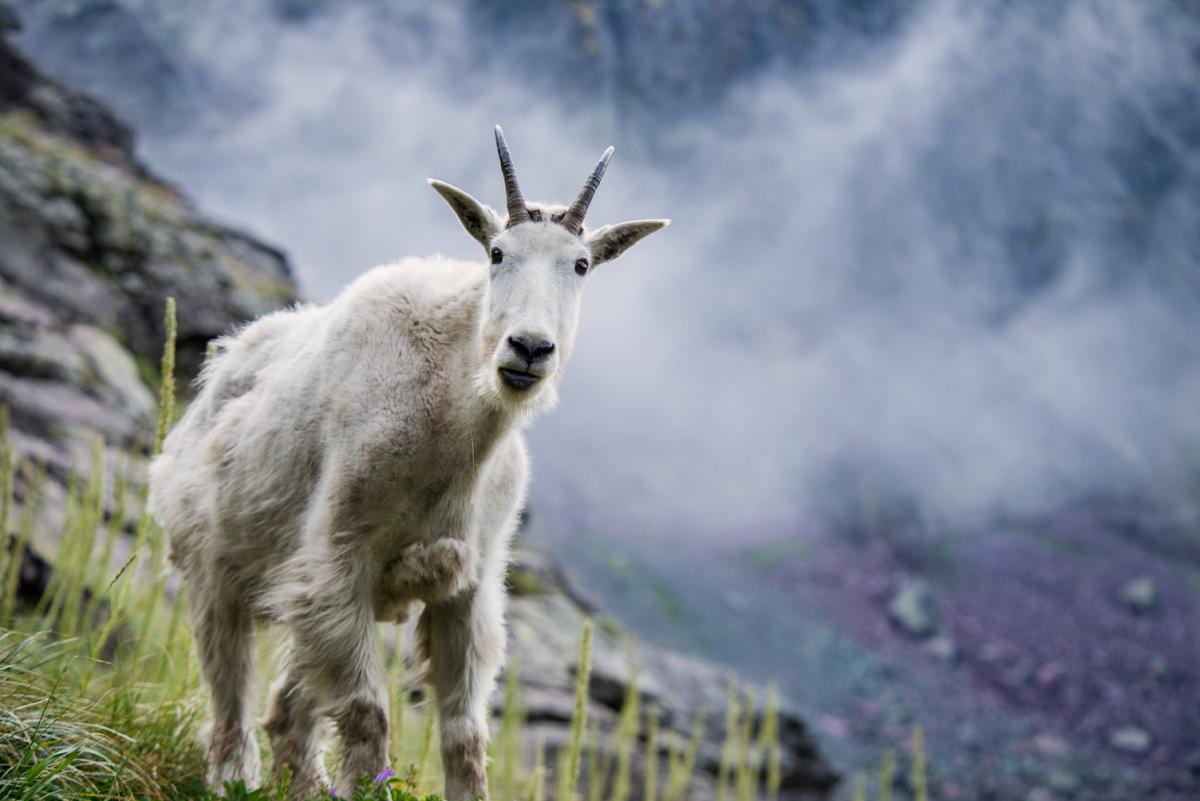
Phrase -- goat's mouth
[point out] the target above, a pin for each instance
(518, 379)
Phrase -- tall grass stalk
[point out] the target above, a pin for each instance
(47, 604)
(426, 744)
(166, 392)
(597, 766)
(569, 776)
(887, 776)
(683, 769)
(150, 531)
(116, 524)
(74, 542)
(8, 470)
(860, 787)
(626, 738)
(767, 747)
(650, 792)
(729, 748)
(537, 781)
(746, 769)
(170, 656)
(90, 517)
(920, 790)
(399, 696)
(35, 487)
(507, 745)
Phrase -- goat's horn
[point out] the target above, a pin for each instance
(573, 217)
(517, 212)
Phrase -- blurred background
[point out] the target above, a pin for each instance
(902, 412)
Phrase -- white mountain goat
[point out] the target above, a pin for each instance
(342, 462)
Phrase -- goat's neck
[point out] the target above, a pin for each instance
(486, 417)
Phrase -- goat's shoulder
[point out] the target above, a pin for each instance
(435, 291)
(239, 363)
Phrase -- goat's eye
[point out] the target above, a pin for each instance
(497, 256)
(581, 266)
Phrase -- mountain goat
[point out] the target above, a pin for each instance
(342, 462)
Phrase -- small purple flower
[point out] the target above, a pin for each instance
(384, 775)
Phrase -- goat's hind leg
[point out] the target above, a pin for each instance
(224, 633)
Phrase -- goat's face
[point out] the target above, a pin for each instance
(540, 258)
(537, 274)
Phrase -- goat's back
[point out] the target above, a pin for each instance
(237, 472)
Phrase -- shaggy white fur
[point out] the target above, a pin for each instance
(343, 463)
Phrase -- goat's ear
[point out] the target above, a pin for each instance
(612, 240)
(479, 220)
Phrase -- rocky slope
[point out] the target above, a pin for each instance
(546, 616)
(91, 245)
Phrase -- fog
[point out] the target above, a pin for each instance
(956, 275)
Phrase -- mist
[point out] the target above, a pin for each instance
(957, 273)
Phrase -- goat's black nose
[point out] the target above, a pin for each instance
(531, 350)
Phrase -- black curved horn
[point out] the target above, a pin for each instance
(517, 211)
(573, 217)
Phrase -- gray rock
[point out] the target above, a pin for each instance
(1163, 672)
(943, 648)
(1063, 782)
(1130, 740)
(90, 233)
(111, 372)
(1051, 745)
(1140, 595)
(912, 609)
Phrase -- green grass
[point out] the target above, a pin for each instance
(100, 695)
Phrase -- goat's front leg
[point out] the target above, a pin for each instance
(464, 639)
(430, 571)
(326, 598)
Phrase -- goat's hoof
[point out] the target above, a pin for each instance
(232, 759)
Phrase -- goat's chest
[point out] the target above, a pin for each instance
(423, 482)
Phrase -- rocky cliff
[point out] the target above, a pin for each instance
(92, 243)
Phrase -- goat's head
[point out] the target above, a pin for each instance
(540, 257)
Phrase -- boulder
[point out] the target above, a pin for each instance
(1130, 740)
(912, 609)
(1140, 595)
